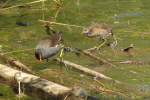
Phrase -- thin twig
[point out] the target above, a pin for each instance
(22, 4)
(5, 3)
(58, 23)
(66, 96)
(99, 83)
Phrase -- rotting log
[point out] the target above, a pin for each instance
(87, 71)
(94, 57)
(33, 85)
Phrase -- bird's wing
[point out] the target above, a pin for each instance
(46, 41)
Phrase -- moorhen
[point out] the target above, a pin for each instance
(100, 30)
(49, 46)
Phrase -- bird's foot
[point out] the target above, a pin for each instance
(92, 49)
(97, 48)
(62, 51)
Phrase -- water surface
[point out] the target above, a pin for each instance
(131, 21)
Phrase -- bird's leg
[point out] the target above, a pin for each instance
(115, 42)
(61, 54)
(46, 63)
(102, 44)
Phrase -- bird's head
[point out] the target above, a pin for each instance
(86, 30)
(38, 54)
(57, 35)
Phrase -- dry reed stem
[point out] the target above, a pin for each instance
(59, 23)
(23, 4)
(99, 83)
(5, 3)
(66, 96)
(58, 2)
(55, 14)
(43, 10)
(42, 4)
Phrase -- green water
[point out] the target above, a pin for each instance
(131, 21)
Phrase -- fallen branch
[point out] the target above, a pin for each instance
(38, 87)
(33, 85)
(94, 57)
(88, 71)
(17, 64)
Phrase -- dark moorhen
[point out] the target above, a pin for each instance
(49, 46)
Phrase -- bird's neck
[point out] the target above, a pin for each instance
(89, 35)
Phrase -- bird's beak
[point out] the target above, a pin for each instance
(82, 33)
(40, 56)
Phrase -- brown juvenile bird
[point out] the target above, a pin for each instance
(49, 46)
(99, 30)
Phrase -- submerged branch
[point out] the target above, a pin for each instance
(94, 74)
(124, 49)
(87, 71)
(95, 57)
(134, 72)
(134, 62)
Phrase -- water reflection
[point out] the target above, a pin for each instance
(129, 14)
